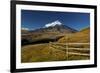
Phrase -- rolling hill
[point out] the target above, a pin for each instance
(82, 36)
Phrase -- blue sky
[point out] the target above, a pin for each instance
(36, 19)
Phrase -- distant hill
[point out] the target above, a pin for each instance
(82, 36)
(24, 31)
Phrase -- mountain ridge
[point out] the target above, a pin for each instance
(55, 26)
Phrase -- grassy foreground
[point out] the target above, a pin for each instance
(58, 52)
(49, 52)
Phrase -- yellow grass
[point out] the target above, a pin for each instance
(80, 37)
(47, 52)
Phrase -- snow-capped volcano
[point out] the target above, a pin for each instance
(56, 27)
(57, 22)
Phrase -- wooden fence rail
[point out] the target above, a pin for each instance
(64, 47)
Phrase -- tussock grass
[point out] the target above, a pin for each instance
(47, 52)
(39, 53)
(80, 37)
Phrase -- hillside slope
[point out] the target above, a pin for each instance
(80, 37)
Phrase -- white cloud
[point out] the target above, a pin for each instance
(25, 28)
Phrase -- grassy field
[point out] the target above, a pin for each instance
(59, 50)
(52, 52)
(81, 37)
